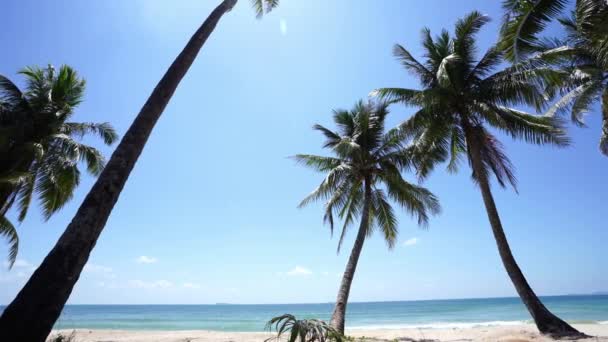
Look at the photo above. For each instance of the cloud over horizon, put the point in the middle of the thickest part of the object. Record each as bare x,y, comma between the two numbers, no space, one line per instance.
411,242
299,271
146,260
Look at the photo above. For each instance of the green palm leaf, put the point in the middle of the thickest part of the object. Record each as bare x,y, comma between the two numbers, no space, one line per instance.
46,161
262,7
8,231
364,154
523,21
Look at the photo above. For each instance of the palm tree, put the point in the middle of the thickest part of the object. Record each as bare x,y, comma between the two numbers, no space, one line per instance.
31,315
39,151
460,98
582,54
364,173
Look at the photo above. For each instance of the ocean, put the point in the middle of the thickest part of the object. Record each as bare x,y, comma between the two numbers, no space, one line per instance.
373,315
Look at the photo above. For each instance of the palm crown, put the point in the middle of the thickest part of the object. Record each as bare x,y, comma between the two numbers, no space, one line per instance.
39,147
461,95
583,55
367,160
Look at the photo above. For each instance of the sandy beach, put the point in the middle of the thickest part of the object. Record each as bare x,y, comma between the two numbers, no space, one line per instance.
519,333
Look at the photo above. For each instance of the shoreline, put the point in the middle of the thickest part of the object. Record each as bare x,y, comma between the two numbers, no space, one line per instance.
503,333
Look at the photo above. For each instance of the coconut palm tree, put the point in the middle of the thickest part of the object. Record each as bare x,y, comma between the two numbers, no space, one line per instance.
31,315
582,54
39,147
361,178
460,99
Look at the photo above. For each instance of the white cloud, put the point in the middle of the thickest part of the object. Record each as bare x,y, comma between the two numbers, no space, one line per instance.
411,242
20,263
158,284
191,286
99,271
22,269
146,260
92,268
299,271
283,26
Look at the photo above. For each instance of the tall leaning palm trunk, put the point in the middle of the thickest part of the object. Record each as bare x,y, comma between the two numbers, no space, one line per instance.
339,314
32,314
546,322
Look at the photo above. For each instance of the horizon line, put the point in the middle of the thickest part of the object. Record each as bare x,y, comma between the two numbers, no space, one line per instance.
596,293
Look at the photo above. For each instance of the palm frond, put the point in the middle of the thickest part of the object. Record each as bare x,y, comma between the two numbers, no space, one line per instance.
434,51
305,330
492,157
262,7
352,208
338,201
55,186
409,97
604,136
384,215
345,122
103,130
9,92
333,138
8,231
329,184
523,21
412,65
416,200
489,61
457,148
318,163
24,197
532,129
464,38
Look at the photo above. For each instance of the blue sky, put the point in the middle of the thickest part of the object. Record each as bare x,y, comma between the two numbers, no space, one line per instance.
209,213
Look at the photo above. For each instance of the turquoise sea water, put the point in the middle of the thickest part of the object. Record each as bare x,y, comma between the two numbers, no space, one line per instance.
432,313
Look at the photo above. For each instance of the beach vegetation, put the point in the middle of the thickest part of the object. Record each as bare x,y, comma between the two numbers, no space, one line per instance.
62,337
291,329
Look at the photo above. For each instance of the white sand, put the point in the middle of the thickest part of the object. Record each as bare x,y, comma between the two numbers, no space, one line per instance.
519,333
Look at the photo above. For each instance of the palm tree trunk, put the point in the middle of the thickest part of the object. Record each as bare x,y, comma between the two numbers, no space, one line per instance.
546,322
32,314
339,314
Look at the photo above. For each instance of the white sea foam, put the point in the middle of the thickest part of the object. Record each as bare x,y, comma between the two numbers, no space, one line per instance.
602,322
439,325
